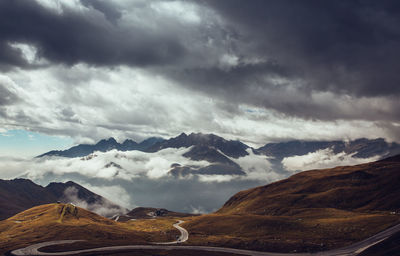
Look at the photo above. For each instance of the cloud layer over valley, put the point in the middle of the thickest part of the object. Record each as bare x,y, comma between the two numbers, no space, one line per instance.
135,178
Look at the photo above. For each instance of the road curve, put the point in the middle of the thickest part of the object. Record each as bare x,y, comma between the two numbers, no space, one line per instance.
182,238
351,250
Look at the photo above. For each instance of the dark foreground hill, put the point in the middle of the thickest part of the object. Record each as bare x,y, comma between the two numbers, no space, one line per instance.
20,194
389,247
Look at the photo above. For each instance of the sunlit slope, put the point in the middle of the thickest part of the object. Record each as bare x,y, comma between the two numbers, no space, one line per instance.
367,187
64,221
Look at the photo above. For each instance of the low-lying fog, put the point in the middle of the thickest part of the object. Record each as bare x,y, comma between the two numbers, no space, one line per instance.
135,178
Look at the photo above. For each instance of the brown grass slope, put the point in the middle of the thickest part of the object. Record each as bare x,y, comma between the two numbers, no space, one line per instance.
64,221
367,187
310,211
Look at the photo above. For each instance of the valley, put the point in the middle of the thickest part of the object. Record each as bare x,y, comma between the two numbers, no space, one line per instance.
312,211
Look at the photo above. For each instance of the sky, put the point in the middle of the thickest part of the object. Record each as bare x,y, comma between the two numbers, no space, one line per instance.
259,71
21,143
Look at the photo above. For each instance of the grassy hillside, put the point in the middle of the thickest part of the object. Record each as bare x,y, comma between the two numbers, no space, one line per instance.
367,187
64,221
310,211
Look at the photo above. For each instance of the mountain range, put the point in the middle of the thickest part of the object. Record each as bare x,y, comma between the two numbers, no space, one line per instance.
215,148
205,166
360,148
104,146
221,154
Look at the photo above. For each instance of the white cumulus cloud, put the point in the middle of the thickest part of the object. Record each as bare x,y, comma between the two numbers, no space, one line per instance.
324,158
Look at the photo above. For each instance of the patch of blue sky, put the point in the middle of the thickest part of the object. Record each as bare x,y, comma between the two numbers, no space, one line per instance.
22,143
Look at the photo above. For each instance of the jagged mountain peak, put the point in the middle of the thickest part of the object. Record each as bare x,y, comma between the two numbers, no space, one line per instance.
110,140
129,141
361,148
104,145
230,148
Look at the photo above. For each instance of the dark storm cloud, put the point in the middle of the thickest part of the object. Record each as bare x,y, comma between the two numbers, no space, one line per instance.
71,37
110,12
350,47
10,57
325,61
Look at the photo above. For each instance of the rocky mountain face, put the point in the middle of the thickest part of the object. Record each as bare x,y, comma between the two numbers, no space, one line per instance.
221,164
20,194
230,148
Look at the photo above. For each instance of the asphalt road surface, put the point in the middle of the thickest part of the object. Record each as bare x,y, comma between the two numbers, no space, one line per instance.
351,250
182,238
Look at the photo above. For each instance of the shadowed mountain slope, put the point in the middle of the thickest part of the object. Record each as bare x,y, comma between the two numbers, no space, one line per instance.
20,194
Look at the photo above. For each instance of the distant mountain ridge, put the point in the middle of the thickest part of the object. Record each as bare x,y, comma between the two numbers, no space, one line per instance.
361,148
105,145
216,149
20,194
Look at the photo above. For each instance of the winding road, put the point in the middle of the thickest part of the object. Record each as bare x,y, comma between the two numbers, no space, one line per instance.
182,238
351,250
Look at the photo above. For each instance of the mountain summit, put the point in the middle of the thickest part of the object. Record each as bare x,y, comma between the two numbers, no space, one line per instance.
228,147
